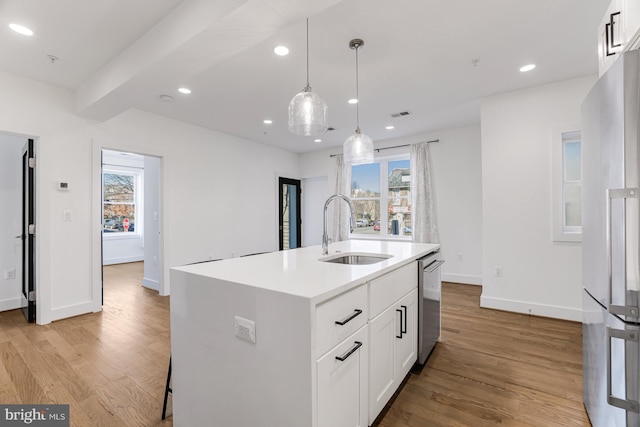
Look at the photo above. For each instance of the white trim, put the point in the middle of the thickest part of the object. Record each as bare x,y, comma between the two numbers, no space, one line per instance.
122,260
73,310
465,279
151,284
553,311
10,304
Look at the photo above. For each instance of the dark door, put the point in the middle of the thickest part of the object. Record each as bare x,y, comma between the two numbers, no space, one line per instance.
290,219
28,302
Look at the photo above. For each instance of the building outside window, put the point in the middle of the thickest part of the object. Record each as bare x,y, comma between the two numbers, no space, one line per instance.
385,213
120,190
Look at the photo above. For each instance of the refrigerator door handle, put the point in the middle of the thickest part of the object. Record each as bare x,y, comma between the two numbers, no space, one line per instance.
623,193
627,405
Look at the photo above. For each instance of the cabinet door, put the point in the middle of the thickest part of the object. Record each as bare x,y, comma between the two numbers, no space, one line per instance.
632,23
383,331
407,346
342,381
393,349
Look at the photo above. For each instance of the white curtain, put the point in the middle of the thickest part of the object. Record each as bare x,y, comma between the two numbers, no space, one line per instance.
341,218
425,227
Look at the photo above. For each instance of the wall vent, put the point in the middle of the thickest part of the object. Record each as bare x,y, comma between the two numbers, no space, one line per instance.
402,113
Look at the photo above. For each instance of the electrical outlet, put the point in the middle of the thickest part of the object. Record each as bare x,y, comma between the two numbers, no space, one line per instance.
245,329
459,256
10,274
498,272
67,215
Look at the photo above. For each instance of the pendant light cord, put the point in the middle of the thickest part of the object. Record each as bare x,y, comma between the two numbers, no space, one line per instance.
357,95
308,88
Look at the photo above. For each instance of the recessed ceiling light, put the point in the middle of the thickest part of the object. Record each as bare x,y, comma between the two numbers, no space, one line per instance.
267,122
184,90
21,29
281,50
528,67
353,101
166,98
317,140
389,127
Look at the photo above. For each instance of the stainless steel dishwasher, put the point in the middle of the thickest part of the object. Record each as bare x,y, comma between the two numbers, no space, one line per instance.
429,295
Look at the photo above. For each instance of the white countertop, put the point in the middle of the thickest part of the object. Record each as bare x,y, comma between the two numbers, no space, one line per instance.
300,272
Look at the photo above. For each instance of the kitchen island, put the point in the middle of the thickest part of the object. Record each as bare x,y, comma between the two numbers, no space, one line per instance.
282,339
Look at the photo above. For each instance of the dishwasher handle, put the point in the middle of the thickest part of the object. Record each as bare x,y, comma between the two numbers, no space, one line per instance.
433,266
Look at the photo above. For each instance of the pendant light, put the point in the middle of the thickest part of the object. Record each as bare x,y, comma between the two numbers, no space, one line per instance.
358,148
307,111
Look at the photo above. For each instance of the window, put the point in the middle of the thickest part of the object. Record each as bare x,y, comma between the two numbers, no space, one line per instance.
381,194
120,200
567,183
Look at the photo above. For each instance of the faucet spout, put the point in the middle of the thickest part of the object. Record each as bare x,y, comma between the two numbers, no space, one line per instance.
325,237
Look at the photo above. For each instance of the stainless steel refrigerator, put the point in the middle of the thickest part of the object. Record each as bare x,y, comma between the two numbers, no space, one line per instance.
610,245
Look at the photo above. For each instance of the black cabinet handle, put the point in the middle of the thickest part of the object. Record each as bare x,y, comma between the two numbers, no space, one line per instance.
404,328
401,328
355,314
353,349
609,35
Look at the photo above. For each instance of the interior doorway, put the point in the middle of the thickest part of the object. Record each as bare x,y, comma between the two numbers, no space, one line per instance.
130,214
290,218
17,212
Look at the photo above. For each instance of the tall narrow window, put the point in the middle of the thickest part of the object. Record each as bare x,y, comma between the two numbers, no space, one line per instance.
567,186
381,194
572,182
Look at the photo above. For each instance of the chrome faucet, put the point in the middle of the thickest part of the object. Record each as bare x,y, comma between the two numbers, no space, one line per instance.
325,238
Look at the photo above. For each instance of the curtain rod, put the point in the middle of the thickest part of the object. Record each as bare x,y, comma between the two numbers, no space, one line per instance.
395,146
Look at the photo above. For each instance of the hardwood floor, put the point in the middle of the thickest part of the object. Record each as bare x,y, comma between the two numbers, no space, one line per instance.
490,368
493,367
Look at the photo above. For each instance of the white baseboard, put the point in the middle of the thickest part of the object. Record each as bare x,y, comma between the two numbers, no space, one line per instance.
72,310
553,311
462,278
122,260
10,304
151,284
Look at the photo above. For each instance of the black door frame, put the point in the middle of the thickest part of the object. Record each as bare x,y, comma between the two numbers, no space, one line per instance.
28,303
297,183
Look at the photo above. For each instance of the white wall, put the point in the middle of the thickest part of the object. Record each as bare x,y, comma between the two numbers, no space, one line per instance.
538,274
456,162
10,219
152,205
203,172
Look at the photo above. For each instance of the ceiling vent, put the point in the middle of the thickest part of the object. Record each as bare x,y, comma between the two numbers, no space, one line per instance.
402,113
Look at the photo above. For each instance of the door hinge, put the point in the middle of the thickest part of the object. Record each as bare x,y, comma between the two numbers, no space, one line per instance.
32,229
32,162
32,296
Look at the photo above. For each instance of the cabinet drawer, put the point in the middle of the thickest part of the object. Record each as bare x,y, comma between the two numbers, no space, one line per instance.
389,288
340,317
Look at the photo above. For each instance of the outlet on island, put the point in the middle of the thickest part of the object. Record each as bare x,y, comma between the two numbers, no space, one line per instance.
245,329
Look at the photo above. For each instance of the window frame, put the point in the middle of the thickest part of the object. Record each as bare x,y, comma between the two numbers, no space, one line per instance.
384,199
561,136
138,174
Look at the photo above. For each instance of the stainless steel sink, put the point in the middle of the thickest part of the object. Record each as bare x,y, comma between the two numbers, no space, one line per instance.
356,259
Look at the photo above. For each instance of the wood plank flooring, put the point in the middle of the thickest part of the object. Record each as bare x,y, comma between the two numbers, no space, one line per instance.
490,368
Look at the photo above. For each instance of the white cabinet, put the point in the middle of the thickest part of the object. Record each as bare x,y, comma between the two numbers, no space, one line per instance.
618,32
342,385
393,329
393,350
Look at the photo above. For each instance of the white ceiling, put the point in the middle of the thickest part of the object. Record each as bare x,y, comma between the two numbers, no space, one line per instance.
418,57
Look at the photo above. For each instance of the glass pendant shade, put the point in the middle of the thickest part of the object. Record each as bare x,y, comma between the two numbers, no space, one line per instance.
307,114
358,149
